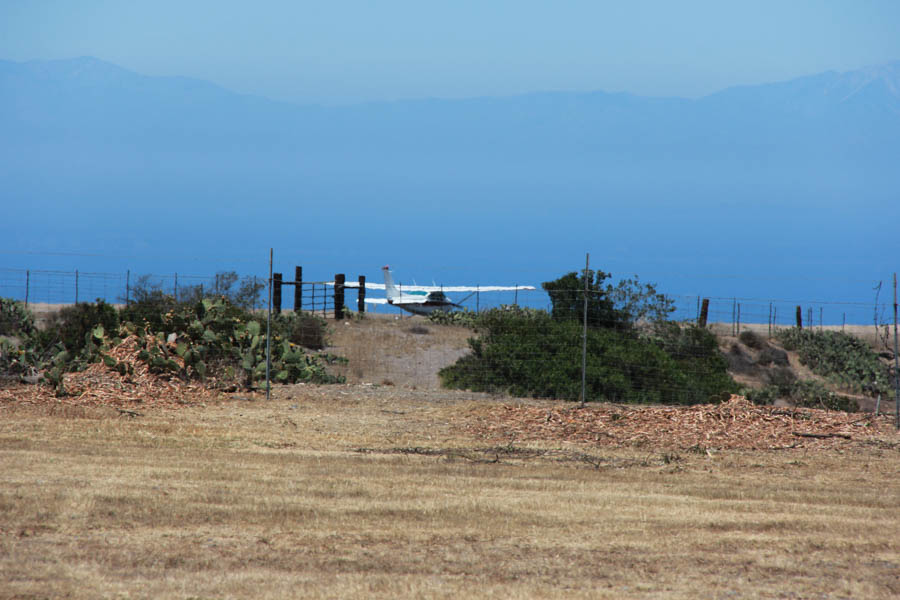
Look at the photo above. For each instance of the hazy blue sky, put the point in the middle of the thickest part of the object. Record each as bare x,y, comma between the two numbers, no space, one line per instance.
348,51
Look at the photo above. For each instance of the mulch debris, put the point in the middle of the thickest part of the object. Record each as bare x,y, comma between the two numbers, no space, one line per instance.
99,385
735,424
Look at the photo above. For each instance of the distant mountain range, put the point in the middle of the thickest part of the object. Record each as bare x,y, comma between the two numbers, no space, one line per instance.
753,179
88,101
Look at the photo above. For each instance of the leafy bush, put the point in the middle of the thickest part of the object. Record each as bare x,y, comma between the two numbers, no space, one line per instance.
807,394
846,360
73,326
461,318
640,302
568,297
149,303
770,355
302,329
782,379
752,340
217,337
212,337
243,293
15,319
696,352
529,353
73,339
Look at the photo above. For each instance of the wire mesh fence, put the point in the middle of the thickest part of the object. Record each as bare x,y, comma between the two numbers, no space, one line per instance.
69,287
544,354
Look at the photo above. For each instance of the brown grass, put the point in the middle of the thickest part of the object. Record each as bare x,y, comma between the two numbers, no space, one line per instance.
365,491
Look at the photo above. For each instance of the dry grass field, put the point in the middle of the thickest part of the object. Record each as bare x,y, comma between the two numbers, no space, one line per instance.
390,487
379,491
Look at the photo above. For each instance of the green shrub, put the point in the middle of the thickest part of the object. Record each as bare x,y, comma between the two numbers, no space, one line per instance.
783,380
73,325
528,353
752,340
15,319
640,302
770,355
303,329
806,394
568,297
764,396
461,318
148,306
846,360
217,337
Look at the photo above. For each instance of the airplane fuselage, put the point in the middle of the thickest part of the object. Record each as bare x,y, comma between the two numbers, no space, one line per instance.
435,301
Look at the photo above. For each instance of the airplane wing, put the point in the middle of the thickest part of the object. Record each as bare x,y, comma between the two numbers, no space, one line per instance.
446,288
405,300
468,288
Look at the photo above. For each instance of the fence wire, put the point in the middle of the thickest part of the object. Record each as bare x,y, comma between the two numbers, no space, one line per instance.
70,287
618,370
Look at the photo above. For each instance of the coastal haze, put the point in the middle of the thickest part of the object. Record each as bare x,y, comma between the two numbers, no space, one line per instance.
781,190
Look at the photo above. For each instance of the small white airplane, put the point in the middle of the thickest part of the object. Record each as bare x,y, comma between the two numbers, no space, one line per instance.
424,299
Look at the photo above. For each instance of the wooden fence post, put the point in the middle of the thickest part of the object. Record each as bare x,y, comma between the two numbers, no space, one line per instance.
361,298
339,296
704,312
799,317
298,289
276,293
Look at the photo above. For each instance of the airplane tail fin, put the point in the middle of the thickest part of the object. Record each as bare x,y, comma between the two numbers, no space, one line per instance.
390,290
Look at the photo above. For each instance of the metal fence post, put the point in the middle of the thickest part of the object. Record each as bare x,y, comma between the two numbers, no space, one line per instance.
269,328
896,363
733,315
27,286
76,286
587,264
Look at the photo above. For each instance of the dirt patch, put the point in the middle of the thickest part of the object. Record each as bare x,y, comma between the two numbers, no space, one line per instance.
400,351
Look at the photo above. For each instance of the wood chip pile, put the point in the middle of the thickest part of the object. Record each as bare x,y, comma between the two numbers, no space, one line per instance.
736,424
99,385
